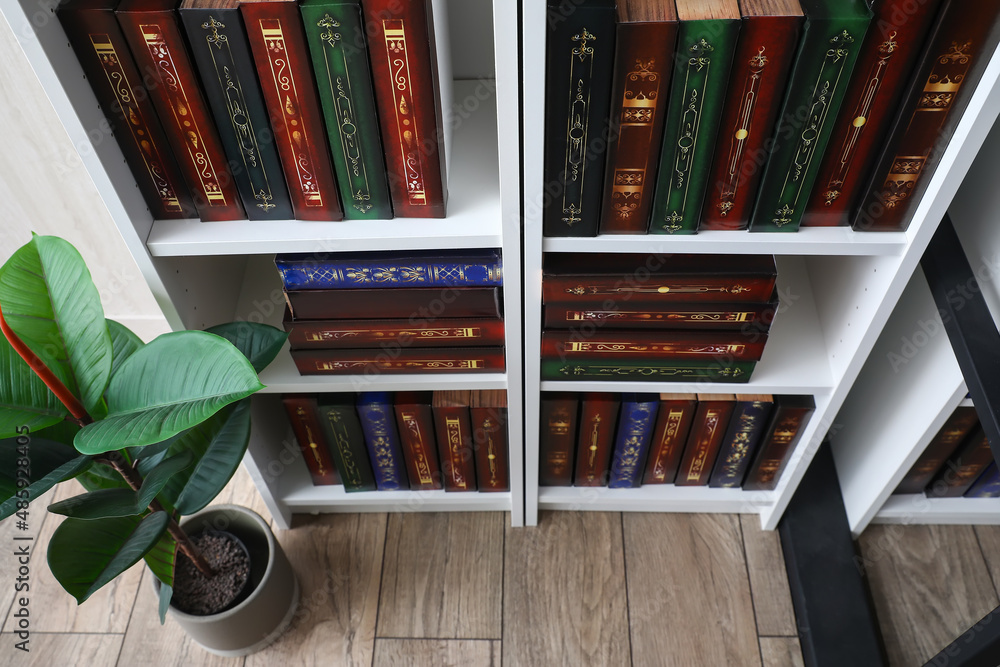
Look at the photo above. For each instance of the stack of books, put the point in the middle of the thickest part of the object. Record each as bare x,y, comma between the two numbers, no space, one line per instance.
629,440
661,318
456,440
394,312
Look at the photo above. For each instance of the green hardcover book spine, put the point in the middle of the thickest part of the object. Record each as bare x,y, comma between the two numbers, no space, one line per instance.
336,35
701,77
821,75
343,434
645,371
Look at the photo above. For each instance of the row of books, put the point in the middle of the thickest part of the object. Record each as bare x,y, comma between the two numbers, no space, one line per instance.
656,317
629,440
670,116
392,442
268,110
394,312
957,462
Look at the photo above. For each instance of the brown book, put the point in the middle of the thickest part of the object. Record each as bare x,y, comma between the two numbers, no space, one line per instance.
788,421
332,334
644,62
673,424
453,425
303,415
747,317
962,469
416,305
650,345
415,419
557,437
598,417
489,438
954,432
708,427
400,361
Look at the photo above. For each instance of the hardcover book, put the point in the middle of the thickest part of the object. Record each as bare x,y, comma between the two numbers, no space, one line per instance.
335,32
388,334
417,305
708,36
415,418
831,41
988,484
962,469
673,423
454,436
579,62
100,46
156,40
651,345
598,418
788,421
401,361
342,430
382,439
635,429
557,438
709,427
644,50
648,371
748,317
408,96
954,432
488,409
745,431
278,43
769,38
221,53
303,416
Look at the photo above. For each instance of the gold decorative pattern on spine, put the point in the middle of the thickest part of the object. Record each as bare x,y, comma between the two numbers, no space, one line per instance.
409,141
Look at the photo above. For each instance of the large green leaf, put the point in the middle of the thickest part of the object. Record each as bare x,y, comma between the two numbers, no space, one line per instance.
173,383
124,343
260,343
85,555
48,464
101,476
51,303
25,401
161,560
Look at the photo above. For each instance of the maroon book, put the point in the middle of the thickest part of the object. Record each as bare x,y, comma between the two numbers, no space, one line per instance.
415,419
416,305
749,317
962,469
644,62
278,42
315,452
708,428
954,432
557,438
788,421
673,423
769,39
489,437
407,93
568,345
156,40
453,425
598,417
331,334
886,61
400,361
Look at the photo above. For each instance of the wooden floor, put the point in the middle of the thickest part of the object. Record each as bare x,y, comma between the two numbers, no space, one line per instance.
580,589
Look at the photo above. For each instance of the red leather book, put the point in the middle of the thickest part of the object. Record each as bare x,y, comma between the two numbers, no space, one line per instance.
278,42
598,417
788,421
707,430
417,305
453,425
331,334
400,361
884,66
408,96
748,317
302,414
644,49
954,432
488,409
673,423
154,35
768,42
415,419
962,469
557,438
568,345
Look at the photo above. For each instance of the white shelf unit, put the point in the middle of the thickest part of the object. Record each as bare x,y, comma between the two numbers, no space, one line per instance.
912,383
838,289
203,274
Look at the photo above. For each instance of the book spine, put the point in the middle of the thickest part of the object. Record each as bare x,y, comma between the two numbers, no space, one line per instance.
403,361
707,431
673,423
404,73
359,273
416,431
887,59
988,484
454,437
705,58
489,437
643,66
657,289
418,305
303,416
959,425
786,427
382,440
277,41
385,334
336,36
645,371
635,428
816,90
745,431
721,317
962,470
347,446
159,49
569,345
555,444
597,432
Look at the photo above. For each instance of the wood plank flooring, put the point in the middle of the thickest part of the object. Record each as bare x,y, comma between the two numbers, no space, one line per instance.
415,590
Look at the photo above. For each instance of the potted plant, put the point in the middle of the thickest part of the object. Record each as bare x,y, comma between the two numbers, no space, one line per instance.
153,432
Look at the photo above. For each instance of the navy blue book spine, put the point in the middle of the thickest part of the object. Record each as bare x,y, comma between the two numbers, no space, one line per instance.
746,428
379,426
988,484
635,430
414,269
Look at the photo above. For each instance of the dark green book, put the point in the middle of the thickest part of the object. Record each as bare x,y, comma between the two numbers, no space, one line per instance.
342,431
704,58
336,36
648,370
832,37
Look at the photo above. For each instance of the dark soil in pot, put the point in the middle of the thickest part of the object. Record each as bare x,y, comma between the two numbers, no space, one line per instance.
196,594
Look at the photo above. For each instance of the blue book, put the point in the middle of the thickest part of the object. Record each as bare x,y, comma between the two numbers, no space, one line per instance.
413,268
382,440
635,430
988,484
750,418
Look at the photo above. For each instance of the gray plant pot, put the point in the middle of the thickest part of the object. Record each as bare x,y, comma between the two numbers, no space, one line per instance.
267,612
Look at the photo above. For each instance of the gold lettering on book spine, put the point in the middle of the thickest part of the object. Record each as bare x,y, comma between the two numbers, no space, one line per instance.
667,444
744,126
453,431
417,447
406,127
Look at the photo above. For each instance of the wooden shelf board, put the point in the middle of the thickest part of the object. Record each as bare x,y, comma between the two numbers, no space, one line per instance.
918,509
652,498
335,499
